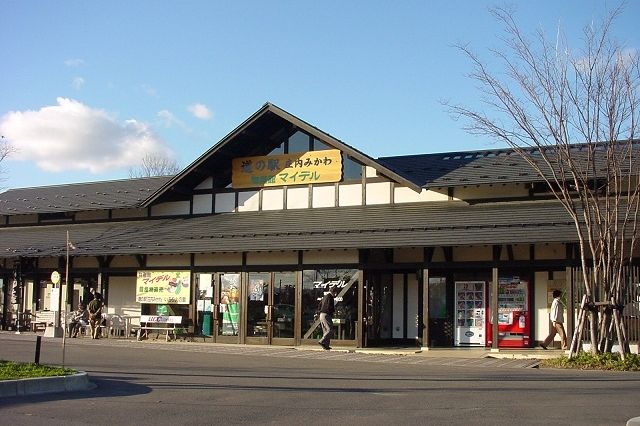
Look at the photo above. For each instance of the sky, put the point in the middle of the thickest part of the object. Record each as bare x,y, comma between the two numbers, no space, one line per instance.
87,88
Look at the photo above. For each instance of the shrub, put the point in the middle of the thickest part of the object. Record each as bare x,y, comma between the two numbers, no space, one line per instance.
15,370
587,361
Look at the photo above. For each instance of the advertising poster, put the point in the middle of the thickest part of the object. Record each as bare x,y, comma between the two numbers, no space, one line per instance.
163,287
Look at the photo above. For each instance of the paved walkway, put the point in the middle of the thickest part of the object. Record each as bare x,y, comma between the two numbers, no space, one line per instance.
462,357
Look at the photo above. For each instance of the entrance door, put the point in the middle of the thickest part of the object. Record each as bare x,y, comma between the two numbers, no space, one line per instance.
378,306
271,308
392,308
226,309
441,328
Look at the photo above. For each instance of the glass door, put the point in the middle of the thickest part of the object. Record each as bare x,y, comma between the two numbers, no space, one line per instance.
378,305
227,303
283,312
271,308
258,302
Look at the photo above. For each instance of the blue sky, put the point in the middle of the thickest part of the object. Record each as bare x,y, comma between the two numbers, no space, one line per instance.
87,87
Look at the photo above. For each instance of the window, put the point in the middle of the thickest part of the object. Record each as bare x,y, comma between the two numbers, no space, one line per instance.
351,170
298,142
314,285
318,145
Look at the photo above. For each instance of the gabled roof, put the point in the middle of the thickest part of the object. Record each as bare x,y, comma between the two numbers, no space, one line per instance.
494,166
378,226
113,194
257,135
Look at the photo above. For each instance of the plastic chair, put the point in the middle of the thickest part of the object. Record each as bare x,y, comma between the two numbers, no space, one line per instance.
117,325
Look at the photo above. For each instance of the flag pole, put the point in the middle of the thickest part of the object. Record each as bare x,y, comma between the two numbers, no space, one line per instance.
66,280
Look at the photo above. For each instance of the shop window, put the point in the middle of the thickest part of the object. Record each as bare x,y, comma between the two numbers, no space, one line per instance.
314,285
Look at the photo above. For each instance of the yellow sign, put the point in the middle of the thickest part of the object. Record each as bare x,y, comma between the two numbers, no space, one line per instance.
288,169
163,287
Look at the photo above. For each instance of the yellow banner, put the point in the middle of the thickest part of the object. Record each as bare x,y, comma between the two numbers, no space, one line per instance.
287,169
163,287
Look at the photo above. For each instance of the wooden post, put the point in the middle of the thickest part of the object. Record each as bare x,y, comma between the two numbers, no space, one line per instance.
494,308
426,342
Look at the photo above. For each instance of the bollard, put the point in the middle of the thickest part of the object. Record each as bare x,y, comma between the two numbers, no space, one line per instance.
38,341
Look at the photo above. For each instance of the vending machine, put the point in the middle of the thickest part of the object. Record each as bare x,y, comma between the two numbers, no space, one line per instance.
470,313
514,314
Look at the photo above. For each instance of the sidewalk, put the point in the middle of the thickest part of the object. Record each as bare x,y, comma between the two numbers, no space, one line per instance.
529,357
478,358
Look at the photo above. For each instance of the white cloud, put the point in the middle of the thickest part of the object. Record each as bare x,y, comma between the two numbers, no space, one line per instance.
74,136
200,111
168,119
78,83
74,62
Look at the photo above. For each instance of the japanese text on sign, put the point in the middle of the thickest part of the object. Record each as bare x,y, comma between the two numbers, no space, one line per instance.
163,287
288,169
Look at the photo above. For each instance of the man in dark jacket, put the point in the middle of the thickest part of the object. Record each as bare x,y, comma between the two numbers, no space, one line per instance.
95,315
327,308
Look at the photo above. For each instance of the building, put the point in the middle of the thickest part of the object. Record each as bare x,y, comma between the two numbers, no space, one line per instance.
444,249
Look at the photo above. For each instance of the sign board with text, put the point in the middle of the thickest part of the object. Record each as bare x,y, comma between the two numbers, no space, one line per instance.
287,169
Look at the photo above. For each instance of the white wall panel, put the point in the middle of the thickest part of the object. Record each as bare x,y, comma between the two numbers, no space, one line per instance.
172,260
202,203
403,194
330,256
248,201
122,297
218,259
272,258
350,195
324,196
273,199
170,209
298,197
205,184
378,193
225,202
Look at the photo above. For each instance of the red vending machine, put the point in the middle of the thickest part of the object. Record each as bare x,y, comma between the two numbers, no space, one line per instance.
514,313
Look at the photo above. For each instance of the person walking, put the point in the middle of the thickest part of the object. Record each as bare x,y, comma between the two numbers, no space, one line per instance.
95,315
556,315
327,308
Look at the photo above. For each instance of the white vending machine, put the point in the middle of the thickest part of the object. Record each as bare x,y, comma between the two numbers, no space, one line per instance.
470,313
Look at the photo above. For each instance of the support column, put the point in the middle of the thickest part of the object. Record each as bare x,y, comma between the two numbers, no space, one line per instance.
361,312
494,308
426,342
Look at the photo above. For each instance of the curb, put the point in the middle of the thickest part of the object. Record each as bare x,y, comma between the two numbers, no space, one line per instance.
42,385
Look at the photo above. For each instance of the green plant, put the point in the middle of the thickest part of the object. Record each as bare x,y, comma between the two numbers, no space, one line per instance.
588,361
14,370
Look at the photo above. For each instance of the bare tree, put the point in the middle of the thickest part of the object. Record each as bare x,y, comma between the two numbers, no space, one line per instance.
5,150
573,118
154,165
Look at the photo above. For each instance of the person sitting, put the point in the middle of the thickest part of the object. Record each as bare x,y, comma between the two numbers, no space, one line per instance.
79,319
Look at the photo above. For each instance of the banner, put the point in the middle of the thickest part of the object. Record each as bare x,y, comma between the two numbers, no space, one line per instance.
163,287
301,168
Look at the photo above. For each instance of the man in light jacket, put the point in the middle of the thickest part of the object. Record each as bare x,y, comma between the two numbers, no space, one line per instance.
556,315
